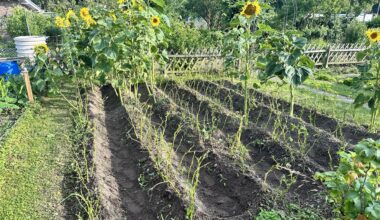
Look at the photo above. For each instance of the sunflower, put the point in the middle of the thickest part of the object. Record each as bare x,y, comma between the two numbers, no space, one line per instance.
62,22
89,21
155,21
70,14
41,49
113,16
373,35
84,13
137,5
251,8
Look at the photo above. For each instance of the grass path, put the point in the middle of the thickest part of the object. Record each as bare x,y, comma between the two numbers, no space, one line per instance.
33,158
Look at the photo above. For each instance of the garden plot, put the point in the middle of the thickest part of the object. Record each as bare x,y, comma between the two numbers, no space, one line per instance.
345,131
173,153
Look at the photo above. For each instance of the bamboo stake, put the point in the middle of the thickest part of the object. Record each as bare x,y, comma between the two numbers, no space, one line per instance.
29,90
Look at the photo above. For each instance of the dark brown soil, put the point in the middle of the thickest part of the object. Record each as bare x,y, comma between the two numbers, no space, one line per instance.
223,191
316,143
348,132
130,185
120,161
265,153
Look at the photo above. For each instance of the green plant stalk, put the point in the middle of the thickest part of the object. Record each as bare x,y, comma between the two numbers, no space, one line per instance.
375,111
247,75
291,100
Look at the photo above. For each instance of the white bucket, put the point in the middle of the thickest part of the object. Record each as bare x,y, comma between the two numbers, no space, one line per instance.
25,45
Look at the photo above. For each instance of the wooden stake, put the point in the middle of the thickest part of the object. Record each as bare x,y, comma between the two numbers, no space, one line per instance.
28,86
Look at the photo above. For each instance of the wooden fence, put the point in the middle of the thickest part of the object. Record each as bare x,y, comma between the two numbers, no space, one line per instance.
211,60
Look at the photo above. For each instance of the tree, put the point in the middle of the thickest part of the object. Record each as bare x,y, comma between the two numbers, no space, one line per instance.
212,11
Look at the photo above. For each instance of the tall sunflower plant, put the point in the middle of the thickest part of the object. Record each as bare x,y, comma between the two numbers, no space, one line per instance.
369,79
239,44
118,44
284,58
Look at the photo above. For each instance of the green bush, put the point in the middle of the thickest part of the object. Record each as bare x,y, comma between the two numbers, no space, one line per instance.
348,82
23,22
324,76
354,187
355,32
182,36
375,23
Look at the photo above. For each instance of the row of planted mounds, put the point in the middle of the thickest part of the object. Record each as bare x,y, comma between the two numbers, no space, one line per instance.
294,133
128,184
154,161
223,191
269,160
345,131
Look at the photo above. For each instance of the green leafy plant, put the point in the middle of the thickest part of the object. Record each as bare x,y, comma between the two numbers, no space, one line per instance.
116,43
23,22
269,215
354,187
239,45
369,79
285,58
6,101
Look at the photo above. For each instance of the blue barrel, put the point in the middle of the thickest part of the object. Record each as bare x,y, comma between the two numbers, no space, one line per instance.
9,68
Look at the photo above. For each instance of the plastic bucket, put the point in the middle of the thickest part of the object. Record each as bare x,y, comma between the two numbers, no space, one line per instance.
25,45
9,68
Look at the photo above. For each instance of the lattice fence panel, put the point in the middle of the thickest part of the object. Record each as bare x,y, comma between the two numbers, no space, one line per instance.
211,60
195,61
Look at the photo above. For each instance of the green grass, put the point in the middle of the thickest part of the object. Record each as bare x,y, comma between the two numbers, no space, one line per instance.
32,162
334,88
329,105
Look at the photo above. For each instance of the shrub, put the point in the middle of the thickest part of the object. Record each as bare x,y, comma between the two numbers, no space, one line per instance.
182,36
375,23
319,42
323,76
354,186
355,32
348,82
24,22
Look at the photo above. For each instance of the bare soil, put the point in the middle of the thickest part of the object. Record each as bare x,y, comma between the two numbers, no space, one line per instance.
314,142
120,161
129,135
347,132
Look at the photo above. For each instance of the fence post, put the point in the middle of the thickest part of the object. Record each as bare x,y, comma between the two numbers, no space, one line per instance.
328,53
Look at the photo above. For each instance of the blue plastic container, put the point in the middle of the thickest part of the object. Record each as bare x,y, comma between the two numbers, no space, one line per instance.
9,68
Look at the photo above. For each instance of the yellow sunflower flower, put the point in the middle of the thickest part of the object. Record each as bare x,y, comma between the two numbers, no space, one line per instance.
373,35
155,21
70,14
113,16
84,13
137,5
62,22
89,21
251,9
41,49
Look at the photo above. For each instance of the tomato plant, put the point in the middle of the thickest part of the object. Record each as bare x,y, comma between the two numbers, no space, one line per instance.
354,188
